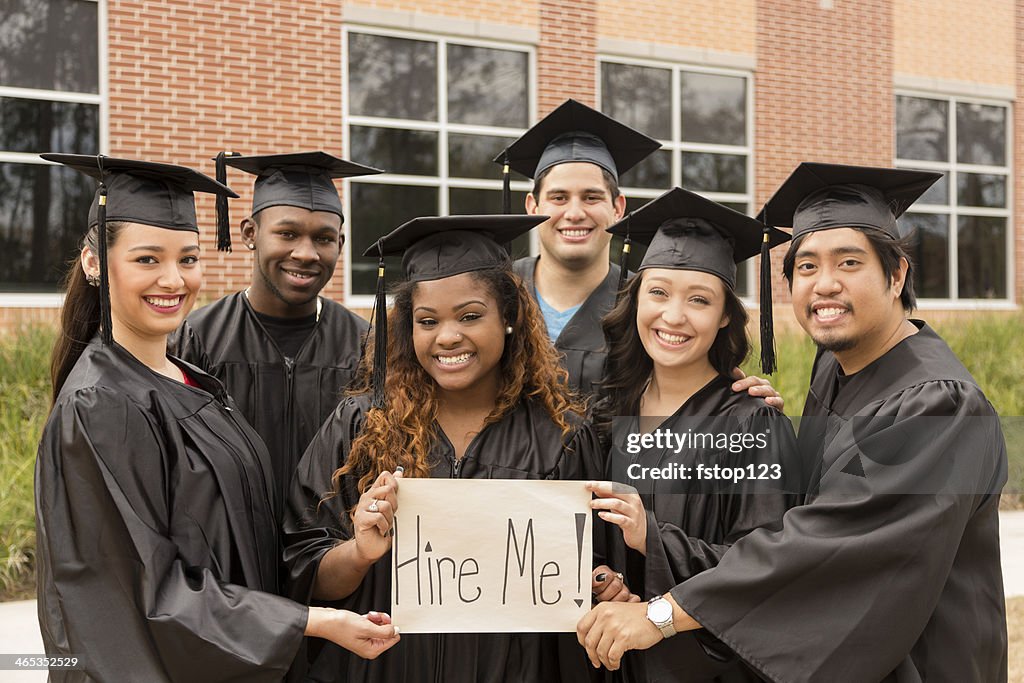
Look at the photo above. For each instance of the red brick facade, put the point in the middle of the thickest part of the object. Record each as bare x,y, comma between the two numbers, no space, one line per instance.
567,54
189,78
819,94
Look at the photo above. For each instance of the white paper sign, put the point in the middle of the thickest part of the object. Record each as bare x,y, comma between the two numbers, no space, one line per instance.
491,556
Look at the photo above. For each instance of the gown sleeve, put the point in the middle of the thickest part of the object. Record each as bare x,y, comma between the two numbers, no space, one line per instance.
674,555
185,344
850,582
113,588
316,520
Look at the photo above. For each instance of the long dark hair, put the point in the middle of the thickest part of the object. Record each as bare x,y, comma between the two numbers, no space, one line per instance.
80,316
628,365
402,433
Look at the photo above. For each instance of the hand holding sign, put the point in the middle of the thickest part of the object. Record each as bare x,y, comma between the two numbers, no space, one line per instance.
484,556
374,516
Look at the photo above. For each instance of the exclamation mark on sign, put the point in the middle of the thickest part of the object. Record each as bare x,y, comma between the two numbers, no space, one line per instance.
581,525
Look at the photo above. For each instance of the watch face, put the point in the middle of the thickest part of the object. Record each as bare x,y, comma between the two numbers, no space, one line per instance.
659,611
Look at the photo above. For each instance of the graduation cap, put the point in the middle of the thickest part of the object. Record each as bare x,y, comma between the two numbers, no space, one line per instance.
437,247
685,231
302,179
822,196
136,191
574,132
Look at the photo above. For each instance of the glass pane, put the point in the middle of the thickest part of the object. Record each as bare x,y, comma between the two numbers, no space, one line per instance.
922,128
981,189
378,209
396,150
655,172
638,96
392,77
43,216
469,156
487,87
636,249
981,257
714,172
929,253
462,200
742,269
980,134
42,126
714,108
50,45
937,193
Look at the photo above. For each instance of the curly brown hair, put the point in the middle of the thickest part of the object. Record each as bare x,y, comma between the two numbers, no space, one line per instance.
403,433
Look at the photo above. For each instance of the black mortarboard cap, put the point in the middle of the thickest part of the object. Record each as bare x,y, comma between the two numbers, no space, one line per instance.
301,179
442,246
575,132
136,191
144,191
820,196
685,231
437,247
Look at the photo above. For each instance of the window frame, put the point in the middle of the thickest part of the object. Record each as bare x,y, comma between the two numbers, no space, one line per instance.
102,99
442,181
677,146
953,210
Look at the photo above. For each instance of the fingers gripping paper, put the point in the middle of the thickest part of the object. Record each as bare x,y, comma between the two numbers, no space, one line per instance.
485,556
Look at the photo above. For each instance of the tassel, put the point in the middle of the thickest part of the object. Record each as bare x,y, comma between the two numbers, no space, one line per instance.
768,364
380,336
223,219
624,258
506,186
106,333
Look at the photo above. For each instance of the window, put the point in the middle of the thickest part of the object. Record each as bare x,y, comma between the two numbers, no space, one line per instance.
703,120
432,112
961,226
49,102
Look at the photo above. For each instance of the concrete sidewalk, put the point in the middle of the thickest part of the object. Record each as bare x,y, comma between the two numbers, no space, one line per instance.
19,628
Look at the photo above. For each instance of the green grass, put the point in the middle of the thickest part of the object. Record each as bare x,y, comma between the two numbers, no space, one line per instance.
991,346
24,402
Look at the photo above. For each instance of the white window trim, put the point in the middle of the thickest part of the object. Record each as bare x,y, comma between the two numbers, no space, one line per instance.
56,299
681,146
952,167
441,181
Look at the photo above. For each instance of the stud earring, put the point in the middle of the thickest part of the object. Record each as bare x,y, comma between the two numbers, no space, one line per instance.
251,246
92,280
508,330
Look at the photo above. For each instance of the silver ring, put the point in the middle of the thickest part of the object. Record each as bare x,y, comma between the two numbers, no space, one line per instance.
621,577
372,507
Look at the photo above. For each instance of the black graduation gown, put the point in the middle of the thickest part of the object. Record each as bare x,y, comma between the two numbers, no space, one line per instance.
866,582
157,545
581,342
525,444
688,533
285,402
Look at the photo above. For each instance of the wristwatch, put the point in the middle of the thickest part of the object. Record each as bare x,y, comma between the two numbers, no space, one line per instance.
659,611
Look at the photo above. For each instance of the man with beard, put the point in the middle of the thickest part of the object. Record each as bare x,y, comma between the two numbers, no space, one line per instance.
890,570
283,352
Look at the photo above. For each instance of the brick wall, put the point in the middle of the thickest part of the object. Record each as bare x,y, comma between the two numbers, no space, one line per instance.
819,94
720,25
955,40
189,78
519,13
567,54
